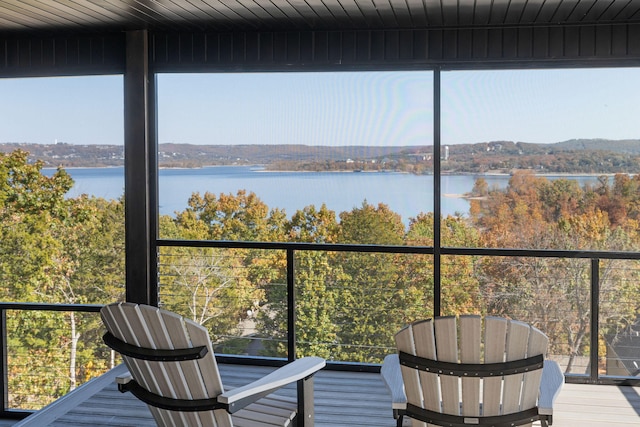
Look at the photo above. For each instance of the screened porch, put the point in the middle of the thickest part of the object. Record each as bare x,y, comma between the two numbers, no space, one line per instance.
142,41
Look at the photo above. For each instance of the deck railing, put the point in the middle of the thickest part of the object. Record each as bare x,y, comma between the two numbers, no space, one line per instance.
590,364
30,377
586,362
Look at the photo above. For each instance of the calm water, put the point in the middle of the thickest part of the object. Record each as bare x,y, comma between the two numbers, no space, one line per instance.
406,194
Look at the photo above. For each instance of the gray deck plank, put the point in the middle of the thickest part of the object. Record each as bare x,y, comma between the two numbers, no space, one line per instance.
597,405
342,399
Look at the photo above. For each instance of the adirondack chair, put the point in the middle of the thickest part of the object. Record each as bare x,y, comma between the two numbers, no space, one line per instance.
445,375
172,368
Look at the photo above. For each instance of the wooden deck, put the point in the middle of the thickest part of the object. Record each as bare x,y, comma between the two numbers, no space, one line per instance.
341,398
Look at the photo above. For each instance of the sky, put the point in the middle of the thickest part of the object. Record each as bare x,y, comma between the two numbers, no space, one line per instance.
77,110
347,108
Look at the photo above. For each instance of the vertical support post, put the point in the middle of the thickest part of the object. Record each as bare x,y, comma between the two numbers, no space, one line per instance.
595,316
437,208
152,186
304,412
139,111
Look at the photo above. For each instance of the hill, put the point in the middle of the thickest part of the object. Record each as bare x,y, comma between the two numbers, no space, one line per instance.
630,146
573,156
170,154
188,155
580,156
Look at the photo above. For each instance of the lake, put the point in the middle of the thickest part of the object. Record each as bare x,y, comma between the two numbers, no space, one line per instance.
406,194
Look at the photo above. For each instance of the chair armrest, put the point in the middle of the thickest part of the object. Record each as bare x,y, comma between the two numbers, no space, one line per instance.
392,377
124,378
550,386
298,370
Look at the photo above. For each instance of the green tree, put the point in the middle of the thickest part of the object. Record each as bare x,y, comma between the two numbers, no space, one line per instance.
459,284
243,217
90,270
368,287
221,288
59,250
315,295
32,209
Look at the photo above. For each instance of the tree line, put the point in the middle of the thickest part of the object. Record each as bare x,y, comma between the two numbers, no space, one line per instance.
349,305
570,157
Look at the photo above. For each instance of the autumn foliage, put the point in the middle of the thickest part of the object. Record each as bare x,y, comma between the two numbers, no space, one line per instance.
349,305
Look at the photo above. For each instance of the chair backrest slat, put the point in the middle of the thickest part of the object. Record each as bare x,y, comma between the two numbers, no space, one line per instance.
494,351
538,343
419,339
406,343
470,346
517,341
209,374
425,344
447,351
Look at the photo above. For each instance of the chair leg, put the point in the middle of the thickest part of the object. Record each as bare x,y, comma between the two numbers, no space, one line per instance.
306,414
399,416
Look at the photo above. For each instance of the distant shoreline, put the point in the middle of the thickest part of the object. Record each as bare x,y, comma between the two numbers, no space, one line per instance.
478,174
489,158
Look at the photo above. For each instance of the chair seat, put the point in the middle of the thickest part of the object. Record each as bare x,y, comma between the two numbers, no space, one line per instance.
273,410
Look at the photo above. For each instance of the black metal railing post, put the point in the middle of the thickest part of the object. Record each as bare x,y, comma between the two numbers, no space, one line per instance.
5,412
291,307
595,317
3,362
301,387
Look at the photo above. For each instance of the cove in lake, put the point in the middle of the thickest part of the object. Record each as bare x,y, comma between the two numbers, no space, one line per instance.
406,194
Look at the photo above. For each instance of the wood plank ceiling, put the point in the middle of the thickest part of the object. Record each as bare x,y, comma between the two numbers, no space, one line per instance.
29,16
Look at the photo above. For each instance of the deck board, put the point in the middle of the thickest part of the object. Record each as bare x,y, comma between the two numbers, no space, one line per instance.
342,399
597,405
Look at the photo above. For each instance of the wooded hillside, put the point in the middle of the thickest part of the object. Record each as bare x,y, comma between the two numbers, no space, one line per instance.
574,156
